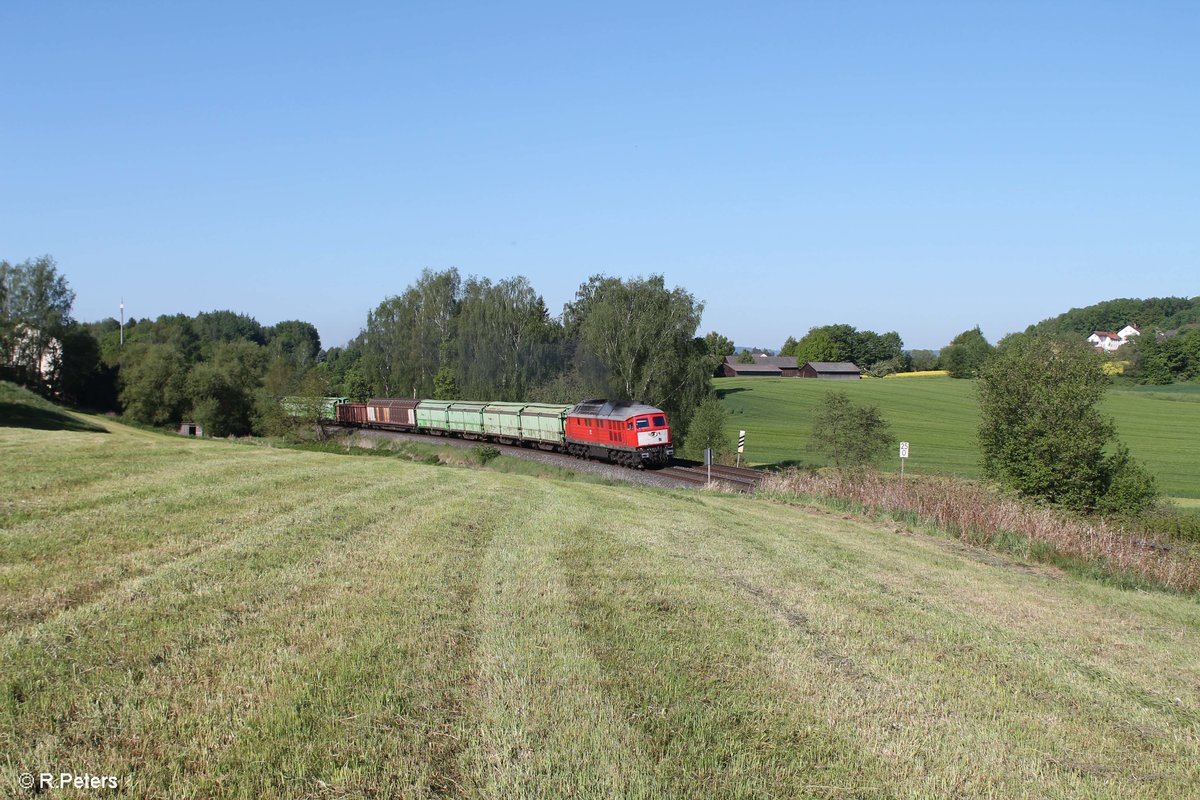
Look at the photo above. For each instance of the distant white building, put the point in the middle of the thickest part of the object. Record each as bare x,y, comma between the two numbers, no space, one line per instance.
1108,341
26,352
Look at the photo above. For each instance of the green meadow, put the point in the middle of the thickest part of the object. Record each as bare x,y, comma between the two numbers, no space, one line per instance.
939,417
204,619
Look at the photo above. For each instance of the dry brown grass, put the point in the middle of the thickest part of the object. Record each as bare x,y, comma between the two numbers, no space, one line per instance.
984,516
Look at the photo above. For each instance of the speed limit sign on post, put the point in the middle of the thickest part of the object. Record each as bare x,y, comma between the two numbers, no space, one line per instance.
904,449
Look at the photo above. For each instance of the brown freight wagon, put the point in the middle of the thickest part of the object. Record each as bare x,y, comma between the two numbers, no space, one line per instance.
351,413
387,412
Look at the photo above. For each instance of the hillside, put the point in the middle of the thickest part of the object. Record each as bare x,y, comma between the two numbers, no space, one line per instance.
939,417
21,408
207,619
1151,314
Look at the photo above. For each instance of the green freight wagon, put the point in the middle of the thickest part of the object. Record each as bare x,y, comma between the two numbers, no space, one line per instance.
465,417
303,406
533,422
432,415
544,423
503,420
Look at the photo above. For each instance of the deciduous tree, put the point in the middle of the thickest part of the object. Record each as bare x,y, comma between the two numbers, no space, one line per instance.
223,388
408,336
295,341
966,354
850,435
642,339
153,383
37,312
843,342
1041,430
820,344
923,360
707,430
505,341
719,347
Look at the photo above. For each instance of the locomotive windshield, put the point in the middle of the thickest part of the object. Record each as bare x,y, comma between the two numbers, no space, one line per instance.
643,423
660,421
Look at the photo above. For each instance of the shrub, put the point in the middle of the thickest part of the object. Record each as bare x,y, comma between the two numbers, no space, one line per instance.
1164,519
484,453
1042,433
850,435
707,429
1130,487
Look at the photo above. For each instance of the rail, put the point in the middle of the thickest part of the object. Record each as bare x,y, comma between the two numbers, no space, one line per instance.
745,480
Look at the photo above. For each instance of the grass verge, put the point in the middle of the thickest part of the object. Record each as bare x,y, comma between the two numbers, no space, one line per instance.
982,516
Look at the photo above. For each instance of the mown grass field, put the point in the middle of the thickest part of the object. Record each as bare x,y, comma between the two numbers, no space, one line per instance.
203,619
939,417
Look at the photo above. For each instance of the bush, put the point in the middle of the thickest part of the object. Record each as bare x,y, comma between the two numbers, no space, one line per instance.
966,354
1130,488
484,453
850,435
1164,519
1041,431
707,430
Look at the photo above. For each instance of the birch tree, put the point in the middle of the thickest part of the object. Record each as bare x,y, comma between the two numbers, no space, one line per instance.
642,337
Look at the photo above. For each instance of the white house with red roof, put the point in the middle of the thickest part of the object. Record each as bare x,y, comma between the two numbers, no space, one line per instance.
1109,341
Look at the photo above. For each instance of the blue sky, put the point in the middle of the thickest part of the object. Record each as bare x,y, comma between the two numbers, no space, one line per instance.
919,167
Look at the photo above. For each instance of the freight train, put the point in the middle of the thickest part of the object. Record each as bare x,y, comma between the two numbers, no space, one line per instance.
630,434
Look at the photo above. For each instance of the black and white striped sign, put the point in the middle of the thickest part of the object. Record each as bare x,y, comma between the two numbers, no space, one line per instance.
741,441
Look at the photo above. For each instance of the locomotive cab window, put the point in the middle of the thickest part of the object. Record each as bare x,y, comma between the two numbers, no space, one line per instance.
643,423
660,421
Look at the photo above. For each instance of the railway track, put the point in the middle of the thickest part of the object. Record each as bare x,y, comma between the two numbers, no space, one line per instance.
745,480
681,472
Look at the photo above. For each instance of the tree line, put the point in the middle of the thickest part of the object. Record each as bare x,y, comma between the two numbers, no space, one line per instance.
878,353
882,354
1168,349
445,337
442,337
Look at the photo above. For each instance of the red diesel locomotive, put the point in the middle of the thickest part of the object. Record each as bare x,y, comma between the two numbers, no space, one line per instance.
632,434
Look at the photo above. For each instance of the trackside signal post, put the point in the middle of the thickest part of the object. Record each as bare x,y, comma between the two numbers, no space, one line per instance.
741,446
903,458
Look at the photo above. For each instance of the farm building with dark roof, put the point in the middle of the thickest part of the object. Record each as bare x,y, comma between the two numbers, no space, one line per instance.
763,366
836,370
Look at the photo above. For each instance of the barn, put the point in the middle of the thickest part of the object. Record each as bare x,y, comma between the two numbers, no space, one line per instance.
764,366
834,370
191,429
